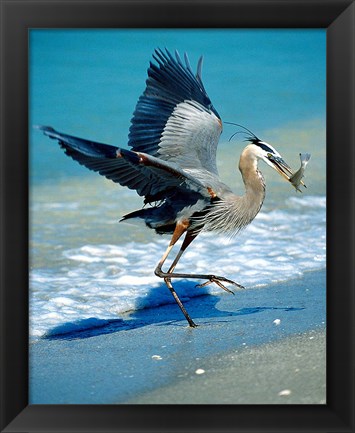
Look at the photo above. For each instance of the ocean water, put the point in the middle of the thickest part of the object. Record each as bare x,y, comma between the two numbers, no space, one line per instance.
85,266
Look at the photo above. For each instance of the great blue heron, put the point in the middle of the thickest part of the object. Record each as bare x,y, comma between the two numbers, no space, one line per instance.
172,163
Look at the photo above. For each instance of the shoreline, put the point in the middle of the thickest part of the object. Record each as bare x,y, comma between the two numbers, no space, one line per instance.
152,356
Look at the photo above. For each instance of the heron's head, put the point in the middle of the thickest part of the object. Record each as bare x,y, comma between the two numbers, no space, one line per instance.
271,156
258,149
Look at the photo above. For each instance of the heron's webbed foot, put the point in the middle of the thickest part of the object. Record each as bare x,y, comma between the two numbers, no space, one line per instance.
217,280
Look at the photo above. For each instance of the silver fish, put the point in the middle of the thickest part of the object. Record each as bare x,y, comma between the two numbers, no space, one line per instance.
296,179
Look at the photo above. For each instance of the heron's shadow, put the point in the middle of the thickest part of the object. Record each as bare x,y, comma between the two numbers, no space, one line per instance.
199,307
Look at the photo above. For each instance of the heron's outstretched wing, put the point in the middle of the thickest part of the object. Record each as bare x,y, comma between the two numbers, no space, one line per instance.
149,176
174,118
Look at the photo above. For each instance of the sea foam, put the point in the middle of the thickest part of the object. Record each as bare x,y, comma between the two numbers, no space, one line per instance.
98,282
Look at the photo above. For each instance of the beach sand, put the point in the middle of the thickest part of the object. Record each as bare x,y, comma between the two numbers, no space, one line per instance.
262,346
290,371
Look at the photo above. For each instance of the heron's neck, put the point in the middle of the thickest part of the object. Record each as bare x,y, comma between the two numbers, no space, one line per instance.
253,181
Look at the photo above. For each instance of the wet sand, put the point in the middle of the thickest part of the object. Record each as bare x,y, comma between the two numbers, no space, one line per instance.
262,346
290,371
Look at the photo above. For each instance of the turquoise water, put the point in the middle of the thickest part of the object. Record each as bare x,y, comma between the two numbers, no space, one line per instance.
86,83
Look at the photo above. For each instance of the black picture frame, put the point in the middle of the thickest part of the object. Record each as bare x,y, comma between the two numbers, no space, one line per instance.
17,17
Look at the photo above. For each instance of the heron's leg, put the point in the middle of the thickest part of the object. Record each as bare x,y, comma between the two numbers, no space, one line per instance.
180,304
211,278
187,241
178,232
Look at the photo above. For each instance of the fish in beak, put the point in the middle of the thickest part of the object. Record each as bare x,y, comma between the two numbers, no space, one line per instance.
296,179
285,170
277,163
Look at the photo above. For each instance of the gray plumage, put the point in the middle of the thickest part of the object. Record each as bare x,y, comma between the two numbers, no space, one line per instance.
171,162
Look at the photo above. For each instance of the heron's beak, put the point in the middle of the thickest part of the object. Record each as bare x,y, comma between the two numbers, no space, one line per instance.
280,166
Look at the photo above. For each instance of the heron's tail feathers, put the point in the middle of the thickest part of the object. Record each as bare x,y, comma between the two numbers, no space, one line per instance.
153,218
138,214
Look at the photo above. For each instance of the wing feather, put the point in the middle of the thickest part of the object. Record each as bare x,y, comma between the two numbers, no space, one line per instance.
174,135
149,176
174,118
